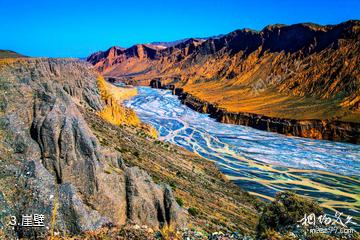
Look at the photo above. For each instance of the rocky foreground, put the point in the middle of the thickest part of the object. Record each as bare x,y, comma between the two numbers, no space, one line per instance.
60,159
93,179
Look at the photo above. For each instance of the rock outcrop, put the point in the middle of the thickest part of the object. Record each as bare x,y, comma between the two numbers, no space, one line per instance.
54,165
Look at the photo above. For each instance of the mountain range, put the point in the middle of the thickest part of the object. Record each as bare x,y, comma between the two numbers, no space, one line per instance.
301,71
301,80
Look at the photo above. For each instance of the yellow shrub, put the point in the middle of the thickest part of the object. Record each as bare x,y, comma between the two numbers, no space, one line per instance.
169,232
114,112
150,130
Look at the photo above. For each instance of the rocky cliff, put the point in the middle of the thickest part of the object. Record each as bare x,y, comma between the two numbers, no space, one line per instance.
301,72
52,163
62,160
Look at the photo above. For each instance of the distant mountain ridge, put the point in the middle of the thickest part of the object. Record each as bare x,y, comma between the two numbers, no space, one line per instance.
174,43
303,70
10,54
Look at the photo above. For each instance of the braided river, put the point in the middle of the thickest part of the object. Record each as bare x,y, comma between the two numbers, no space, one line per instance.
263,163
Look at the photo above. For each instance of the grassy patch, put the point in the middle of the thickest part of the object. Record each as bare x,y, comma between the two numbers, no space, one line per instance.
193,211
180,201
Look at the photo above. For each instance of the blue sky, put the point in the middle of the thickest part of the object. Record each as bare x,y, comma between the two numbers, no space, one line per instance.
77,28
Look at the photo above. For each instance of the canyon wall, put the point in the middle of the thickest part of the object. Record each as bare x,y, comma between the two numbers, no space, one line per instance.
311,128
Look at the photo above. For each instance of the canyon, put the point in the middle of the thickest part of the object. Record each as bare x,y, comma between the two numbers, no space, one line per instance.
100,161
310,128
66,154
300,80
72,152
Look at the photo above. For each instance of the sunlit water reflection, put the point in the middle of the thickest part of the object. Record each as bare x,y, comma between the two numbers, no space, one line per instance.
262,163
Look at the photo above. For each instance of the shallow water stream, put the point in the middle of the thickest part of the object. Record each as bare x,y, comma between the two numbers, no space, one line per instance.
262,163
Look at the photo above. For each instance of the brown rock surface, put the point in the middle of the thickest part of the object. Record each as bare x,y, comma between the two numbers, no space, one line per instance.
310,128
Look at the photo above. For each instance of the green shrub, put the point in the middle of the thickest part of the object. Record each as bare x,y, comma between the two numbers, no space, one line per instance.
180,201
173,185
193,211
285,211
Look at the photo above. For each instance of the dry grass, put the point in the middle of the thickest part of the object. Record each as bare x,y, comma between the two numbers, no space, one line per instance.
117,114
9,54
120,93
169,232
272,103
114,112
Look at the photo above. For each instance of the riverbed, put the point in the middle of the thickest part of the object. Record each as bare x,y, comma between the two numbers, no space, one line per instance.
260,162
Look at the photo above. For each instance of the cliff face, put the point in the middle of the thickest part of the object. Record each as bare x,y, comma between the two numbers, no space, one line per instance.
311,128
61,159
301,72
104,61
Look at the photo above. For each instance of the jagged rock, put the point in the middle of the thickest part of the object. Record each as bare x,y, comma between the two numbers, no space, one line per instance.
155,83
58,165
149,203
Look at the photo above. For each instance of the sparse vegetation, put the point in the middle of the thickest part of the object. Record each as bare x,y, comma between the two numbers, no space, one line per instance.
165,166
177,168
136,154
117,114
113,111
173,185
193,211
284,213
270,234
180,201
9,54
170,233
